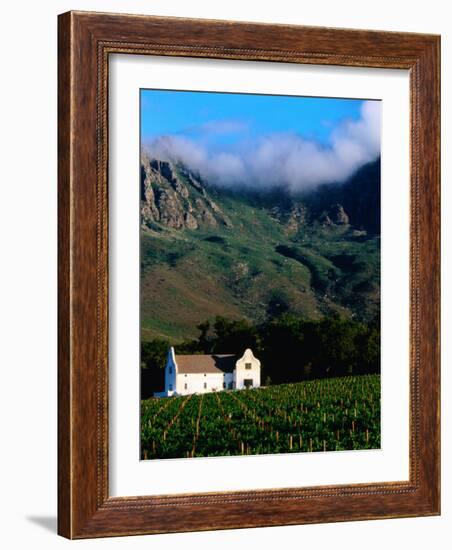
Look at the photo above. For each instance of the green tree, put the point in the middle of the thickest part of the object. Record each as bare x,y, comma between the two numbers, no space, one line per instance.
234,336
153,354
153,361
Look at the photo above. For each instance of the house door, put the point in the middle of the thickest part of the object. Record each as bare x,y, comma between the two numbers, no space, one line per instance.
248,382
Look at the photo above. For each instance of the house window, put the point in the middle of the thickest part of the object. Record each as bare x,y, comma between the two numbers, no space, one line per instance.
247,366
170,387
185,385
248,382
224,385
205,385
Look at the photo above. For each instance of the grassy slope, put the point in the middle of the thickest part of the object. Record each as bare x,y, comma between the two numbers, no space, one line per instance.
190,276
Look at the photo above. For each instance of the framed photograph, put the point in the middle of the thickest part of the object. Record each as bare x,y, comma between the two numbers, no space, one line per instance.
248,275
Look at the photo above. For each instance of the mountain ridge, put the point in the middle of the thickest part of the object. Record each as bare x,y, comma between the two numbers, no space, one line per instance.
210,251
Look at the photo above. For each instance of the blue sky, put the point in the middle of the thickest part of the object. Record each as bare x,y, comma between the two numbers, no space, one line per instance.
261,140
186,113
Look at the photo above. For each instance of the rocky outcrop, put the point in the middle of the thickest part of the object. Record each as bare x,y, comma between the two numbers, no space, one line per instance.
359,196
202,210
335,215
293,216
297,218
174,198
170,209
338,215
190,221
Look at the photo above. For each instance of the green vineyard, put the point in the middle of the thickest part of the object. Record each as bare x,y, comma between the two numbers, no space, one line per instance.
332,414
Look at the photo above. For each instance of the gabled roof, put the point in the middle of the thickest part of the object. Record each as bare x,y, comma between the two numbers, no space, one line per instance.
193,364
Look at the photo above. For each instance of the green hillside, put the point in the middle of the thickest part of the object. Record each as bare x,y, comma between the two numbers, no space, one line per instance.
206,252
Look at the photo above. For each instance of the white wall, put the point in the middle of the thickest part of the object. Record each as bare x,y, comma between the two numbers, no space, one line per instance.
242,373
170,372
28,274
196,381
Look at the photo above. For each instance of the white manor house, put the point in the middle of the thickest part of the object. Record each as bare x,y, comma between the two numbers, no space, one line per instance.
186,374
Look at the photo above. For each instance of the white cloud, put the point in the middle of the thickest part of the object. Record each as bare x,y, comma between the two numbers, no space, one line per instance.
280,158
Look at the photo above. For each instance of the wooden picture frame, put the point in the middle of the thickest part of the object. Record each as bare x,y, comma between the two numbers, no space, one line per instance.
86,40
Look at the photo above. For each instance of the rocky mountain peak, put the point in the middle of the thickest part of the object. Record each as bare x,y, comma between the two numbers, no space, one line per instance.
174,198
